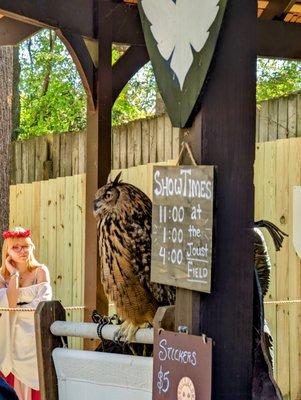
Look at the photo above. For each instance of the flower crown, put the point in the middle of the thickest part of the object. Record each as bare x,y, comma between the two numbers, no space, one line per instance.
16,234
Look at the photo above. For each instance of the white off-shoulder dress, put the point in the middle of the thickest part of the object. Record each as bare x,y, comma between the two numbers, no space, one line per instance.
17,336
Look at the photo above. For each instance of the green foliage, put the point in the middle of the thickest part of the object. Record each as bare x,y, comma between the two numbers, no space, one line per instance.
137,99
52,96
51,93
277,78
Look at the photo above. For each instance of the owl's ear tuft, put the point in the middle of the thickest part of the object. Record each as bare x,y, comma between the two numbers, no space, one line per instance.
117,179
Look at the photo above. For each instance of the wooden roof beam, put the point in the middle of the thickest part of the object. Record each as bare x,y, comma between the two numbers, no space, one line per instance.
276,8
75,16
277,39
13,32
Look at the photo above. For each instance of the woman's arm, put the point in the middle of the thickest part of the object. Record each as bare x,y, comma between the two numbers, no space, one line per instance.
13,285
13,290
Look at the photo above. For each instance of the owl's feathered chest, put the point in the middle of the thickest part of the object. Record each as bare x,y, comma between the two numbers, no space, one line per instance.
125,240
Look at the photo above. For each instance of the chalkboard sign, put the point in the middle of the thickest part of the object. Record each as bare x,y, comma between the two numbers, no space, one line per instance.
182,367
182,221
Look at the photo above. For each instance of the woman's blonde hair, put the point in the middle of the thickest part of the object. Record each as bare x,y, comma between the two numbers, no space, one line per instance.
13,241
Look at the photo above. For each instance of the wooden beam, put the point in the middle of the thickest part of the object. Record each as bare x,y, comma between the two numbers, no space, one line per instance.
13,32
75,16
277,39
223,134
130,63
91,246
84,64
126,24
276,9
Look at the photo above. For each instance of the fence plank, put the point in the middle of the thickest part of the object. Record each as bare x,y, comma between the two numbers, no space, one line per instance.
31,144
78,233
273,119
282,212
269,213
51,231
12,206
75,154
257,124
259,181
145,141
168,138
160,139
123,146
292,116
67,159
137,128
298,130
264,121
294,169
43,251
25,161
82,156
130,145
40,157
36,216
18,161
56,151
115,148
282,118
153,140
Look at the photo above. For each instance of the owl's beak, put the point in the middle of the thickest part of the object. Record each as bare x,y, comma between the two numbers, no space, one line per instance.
96,207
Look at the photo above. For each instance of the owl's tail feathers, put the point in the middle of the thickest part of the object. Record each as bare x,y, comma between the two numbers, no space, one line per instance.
276,234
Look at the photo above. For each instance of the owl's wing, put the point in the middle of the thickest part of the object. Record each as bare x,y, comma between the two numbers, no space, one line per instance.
161,15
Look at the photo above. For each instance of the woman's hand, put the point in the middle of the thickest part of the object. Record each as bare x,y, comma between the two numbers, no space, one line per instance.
9,266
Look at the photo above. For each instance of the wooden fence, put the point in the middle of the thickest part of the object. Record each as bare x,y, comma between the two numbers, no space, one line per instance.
140,142
54,210
48,157
277,170
279,118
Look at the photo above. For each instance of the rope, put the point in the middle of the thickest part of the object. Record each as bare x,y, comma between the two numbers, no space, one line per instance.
70,308
283,301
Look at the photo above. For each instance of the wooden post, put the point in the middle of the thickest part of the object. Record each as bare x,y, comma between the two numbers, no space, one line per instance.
46,313
91,276
104,105
223,134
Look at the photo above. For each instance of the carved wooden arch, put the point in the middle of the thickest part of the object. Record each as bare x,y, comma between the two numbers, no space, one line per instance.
77,48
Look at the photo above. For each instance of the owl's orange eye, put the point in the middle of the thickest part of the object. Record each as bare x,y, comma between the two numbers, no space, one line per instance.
108,195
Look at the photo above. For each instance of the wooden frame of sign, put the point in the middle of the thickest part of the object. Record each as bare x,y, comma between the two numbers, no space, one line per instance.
182,225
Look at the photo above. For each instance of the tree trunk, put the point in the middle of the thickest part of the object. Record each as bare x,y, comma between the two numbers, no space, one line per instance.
6,96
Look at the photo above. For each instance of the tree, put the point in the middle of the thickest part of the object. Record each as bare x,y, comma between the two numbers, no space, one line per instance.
7,58
52,95
276,78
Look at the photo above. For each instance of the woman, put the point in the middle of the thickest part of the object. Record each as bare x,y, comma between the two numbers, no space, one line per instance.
24,282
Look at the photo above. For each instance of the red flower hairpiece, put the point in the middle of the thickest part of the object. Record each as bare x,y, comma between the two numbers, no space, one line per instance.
16,234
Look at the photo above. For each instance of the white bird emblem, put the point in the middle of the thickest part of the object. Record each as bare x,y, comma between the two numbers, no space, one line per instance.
179,28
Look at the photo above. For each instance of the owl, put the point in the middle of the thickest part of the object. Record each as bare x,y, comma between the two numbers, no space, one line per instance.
123,214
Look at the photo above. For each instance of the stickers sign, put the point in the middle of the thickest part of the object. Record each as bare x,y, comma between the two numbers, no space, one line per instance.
182,367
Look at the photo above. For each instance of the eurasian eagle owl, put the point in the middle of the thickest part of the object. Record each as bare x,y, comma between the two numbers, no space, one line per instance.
124,214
